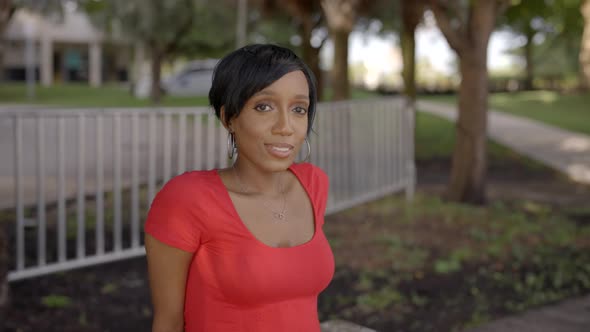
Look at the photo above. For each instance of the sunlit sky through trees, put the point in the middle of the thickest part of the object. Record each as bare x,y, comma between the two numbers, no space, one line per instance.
374,50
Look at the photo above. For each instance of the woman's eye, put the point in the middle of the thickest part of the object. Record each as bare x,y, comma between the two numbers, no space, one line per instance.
300,110
263,107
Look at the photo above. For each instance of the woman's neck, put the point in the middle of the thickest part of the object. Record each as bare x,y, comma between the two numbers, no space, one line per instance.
254,180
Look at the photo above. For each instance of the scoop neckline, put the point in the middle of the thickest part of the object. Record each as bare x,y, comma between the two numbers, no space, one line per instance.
235,213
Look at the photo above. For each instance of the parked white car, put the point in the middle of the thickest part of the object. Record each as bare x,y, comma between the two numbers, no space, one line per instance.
193,79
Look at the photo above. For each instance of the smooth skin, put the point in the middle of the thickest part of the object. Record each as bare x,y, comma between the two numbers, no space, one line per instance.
167,269
275,116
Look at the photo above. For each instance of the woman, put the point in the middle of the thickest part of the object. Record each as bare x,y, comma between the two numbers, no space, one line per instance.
242,248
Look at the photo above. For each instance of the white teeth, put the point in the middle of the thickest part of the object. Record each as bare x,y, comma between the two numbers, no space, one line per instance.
280,149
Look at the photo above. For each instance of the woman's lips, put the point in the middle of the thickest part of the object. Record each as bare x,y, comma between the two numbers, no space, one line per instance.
279,150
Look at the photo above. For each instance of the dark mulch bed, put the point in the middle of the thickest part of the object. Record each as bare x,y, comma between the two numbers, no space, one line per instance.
115,296
446,302
109,297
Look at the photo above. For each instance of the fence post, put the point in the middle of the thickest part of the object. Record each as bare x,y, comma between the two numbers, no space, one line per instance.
4,295
410,167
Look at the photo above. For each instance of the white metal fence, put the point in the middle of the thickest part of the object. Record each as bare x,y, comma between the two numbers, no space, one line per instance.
76,183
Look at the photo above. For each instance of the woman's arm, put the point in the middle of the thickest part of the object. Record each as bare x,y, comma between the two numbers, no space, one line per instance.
167,269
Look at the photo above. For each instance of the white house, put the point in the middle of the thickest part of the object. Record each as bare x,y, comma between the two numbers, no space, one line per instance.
68,48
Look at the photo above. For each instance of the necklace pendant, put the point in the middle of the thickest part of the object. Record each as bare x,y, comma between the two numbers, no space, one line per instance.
279,215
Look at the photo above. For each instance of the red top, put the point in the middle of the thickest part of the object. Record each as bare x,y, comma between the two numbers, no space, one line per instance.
235,282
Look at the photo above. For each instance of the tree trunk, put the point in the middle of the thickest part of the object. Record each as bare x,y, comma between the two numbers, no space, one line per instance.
468,172
2,48
317,71
156,94
311,55
408,42
528,57
341,16
585,48
470,41
340,83
412,12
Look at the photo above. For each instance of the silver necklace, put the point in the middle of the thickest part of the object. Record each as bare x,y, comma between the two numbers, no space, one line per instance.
277,215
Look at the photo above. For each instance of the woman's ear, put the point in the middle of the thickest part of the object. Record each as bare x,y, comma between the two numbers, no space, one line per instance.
224,121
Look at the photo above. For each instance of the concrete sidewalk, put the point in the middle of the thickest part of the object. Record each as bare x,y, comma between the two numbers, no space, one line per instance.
560,149
567,316
564,151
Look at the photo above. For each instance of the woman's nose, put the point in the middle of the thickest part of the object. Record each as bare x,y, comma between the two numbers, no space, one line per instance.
283,125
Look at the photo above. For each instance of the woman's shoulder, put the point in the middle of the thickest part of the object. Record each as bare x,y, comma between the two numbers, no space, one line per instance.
178,214
311,172
190,182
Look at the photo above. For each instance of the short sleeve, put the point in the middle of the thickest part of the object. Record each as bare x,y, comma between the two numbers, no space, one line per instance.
174,217
323,185
320,185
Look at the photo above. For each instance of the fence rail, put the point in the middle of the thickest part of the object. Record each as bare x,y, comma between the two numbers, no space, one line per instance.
83,179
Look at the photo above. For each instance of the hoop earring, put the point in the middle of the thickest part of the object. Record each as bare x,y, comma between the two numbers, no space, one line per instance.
231,145
308,151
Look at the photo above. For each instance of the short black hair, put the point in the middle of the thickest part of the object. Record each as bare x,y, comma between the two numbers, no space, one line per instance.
247,70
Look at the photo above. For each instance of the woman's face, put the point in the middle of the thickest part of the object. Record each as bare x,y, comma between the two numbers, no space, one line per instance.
272,126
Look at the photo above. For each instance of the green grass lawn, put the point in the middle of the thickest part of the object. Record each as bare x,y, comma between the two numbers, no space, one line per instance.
435,139
571,112
354,94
